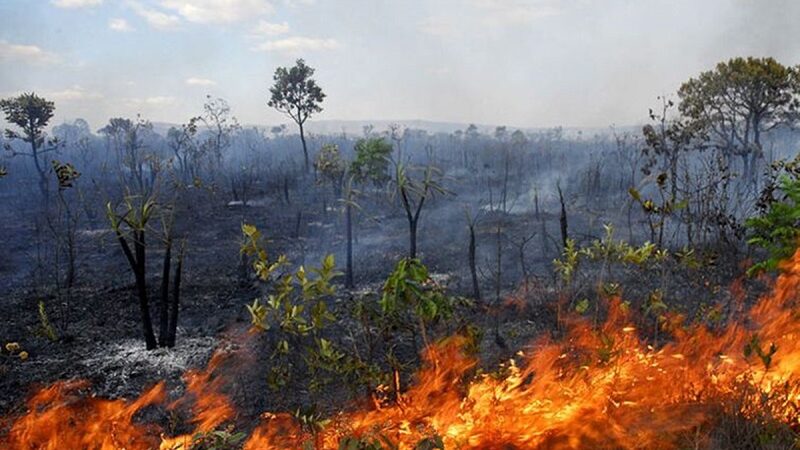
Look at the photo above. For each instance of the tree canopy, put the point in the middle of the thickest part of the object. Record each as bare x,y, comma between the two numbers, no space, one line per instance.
738,100
29,112
371,163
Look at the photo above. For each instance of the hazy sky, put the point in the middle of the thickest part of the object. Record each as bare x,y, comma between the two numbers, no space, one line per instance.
513,62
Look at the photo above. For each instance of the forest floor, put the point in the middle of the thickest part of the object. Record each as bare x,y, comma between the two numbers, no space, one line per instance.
100,335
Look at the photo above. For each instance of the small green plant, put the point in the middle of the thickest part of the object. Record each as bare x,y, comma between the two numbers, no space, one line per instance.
657,213
297,309
688,258
607,350
371,163
253,246
297,313
225,439
655,308
46,329
606,251
753,347
567,265
777,228
310,419
410,288
330,165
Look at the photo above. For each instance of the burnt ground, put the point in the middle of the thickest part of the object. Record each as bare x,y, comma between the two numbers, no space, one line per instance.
99,327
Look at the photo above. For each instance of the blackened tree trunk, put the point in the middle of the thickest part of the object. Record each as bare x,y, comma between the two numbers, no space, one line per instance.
563,218
141,287
305,147
41,171
413,220
163,306
175,304
412,236
476,292
297,222
349,283
137,262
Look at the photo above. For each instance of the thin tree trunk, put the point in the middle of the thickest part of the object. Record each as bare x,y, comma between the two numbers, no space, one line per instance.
175,304
563,218
412,236
41,171
305,148
505,181
349,226
163,305
297,222
476,292
498,285
141,286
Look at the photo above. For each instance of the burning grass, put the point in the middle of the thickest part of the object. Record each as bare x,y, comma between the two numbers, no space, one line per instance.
603,387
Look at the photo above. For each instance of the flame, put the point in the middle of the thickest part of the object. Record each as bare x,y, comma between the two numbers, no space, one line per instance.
594,388
59,418
211,407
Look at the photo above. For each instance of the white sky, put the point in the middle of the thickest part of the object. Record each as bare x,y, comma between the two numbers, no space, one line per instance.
514,62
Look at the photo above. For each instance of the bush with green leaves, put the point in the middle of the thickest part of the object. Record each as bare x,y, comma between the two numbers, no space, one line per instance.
606,250
296,311
777,228
608,253
371,164
411,296
330,165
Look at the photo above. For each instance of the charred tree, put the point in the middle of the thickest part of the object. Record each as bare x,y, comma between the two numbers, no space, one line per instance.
175,303
563,218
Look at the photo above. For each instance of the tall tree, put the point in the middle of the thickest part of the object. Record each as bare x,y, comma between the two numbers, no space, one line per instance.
738,101
31,114
297,95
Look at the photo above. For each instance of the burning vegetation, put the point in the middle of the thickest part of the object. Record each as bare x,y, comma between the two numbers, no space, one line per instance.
595,387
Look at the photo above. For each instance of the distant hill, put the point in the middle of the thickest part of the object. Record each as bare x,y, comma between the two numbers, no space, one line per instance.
356,127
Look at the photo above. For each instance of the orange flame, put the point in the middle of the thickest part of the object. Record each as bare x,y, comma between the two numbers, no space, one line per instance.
59,419
211,407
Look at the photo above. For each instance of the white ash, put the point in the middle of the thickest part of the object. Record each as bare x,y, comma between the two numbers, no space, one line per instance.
130,358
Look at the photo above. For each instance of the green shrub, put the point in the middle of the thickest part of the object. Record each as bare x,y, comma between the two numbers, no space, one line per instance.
776,228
